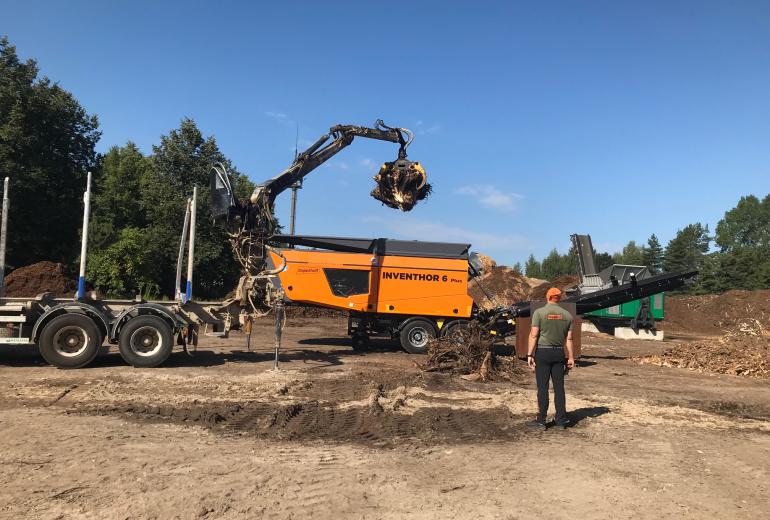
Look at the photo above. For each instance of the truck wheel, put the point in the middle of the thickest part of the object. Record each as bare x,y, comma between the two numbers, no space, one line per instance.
415,336
70,341
453,327
145,341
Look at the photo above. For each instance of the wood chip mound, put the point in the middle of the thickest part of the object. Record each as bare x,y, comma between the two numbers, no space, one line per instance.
716,314
742,351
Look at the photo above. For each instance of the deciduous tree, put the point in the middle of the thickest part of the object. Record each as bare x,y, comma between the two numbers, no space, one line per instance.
46,147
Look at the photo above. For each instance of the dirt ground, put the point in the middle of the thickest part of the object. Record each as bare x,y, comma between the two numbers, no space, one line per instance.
339,434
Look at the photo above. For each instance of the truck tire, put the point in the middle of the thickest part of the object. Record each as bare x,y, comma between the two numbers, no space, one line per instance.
145,341
453,327
70,341
416,334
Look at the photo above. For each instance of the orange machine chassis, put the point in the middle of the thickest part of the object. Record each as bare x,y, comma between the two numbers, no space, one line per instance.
406,289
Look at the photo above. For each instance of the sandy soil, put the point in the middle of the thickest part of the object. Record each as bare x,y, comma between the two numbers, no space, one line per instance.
338,434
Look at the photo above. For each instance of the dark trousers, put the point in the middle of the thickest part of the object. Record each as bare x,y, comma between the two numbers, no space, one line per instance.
549,365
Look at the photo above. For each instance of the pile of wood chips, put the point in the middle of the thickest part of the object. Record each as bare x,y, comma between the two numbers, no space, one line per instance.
743,350
469,351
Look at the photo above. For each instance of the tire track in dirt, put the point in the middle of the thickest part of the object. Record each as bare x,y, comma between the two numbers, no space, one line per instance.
322,489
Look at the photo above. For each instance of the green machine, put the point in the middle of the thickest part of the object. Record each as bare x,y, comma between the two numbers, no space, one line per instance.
639,314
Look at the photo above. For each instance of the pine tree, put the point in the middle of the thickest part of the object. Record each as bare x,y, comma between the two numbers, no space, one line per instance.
687,249
652,255
532,268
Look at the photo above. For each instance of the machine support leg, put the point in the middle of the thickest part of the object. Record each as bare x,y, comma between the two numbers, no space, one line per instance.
247,329
279,313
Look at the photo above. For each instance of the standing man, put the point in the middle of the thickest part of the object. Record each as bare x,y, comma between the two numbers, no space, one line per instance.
551,331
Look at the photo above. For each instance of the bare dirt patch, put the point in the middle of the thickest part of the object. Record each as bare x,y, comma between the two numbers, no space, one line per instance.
343,434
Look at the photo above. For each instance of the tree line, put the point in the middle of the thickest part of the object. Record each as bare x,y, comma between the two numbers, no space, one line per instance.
740,258
47,144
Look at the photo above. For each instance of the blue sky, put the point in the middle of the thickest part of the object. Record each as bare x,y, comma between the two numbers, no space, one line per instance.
534,120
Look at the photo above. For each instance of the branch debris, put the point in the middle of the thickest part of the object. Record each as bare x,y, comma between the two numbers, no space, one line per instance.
469,350
401,184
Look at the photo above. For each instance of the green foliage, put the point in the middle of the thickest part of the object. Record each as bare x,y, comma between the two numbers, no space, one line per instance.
743,262
183,160
532,268
602,261
652,255
46,146
687,249
632,254
517,268
117,200
552,266
126,267
747,225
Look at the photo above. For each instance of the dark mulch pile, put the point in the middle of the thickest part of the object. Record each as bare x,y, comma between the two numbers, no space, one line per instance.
38,278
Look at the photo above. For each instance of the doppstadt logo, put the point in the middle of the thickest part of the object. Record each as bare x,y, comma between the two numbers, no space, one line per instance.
417,277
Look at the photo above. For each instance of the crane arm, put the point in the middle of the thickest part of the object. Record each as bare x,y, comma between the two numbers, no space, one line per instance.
400,184
326,147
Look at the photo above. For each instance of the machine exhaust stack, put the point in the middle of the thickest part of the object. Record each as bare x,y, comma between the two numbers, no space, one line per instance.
84,243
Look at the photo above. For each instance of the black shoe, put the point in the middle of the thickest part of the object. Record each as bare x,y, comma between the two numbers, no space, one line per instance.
537,425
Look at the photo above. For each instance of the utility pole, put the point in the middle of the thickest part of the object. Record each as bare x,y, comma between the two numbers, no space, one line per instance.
296,186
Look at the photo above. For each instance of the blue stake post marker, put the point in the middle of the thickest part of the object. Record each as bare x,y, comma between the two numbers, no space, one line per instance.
84,244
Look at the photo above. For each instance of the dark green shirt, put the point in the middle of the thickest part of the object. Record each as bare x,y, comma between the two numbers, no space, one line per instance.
554,323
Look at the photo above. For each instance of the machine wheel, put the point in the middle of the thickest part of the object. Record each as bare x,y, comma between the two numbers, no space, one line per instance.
70,341
360,342
415,336
453,327
145,341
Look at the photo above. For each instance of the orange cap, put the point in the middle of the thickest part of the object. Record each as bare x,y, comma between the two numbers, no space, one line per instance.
553,291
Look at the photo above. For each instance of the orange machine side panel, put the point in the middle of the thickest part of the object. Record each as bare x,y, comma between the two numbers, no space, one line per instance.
305,278
396,284
423,286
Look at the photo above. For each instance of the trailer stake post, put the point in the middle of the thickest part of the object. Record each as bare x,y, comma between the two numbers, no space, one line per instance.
84,241
4,235
191,250
178,294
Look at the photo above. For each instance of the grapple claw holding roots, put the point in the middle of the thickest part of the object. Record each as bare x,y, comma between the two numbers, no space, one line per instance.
401,184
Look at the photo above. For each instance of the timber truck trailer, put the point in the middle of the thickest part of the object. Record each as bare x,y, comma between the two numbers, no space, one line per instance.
70,332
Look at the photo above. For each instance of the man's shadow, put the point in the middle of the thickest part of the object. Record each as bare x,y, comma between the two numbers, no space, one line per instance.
575,416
